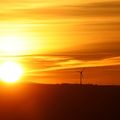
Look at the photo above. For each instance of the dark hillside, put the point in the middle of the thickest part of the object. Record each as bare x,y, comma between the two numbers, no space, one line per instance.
59,102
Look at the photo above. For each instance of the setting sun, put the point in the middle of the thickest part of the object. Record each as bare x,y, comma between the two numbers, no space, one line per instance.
10,72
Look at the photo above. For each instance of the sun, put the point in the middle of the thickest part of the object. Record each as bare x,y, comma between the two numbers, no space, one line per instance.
10,72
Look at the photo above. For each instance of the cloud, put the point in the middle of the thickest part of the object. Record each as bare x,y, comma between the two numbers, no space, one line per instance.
102,49
98,9
101,9
72,64
36,65
62,68
91,9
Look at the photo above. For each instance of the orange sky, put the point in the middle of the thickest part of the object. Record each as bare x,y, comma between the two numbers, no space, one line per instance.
61,37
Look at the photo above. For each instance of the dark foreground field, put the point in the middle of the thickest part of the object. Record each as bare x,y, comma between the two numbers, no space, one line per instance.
59,102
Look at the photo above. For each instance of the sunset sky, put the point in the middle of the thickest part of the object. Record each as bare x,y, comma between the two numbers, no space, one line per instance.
54,39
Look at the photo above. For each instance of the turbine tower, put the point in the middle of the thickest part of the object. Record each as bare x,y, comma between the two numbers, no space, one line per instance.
81,76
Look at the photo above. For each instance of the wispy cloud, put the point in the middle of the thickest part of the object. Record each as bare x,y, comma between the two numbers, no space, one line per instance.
98,9
42,65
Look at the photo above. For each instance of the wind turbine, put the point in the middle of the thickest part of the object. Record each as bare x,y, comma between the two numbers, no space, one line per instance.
81,76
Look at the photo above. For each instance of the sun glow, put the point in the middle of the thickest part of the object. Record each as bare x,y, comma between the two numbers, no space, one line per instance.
10,72
12,44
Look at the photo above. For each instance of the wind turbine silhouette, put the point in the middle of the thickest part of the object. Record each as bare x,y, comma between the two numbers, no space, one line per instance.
81,76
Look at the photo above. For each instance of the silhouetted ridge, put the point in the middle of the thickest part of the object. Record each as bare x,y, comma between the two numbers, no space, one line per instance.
59,102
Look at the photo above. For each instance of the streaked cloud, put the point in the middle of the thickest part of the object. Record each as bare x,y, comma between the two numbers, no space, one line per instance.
64,11
60,69
51,63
